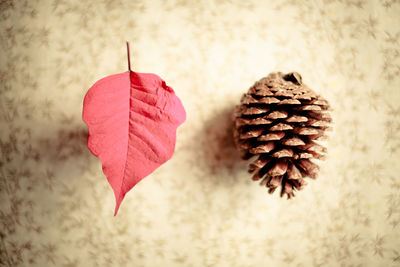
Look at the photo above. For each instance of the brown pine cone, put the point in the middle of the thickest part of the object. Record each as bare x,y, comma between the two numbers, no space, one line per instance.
279,120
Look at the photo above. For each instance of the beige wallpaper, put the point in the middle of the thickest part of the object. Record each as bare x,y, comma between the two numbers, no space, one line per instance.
201,208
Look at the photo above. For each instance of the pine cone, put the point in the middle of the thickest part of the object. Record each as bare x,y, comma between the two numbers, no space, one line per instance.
279,120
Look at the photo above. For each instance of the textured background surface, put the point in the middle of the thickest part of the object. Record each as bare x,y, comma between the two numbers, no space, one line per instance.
201,208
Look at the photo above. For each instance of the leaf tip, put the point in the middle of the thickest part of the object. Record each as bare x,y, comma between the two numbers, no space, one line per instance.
116,210
118,200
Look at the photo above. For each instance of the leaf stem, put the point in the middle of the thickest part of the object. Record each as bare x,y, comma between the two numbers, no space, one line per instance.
129,57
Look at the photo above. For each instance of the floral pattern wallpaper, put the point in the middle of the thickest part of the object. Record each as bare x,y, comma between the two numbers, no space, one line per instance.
200,208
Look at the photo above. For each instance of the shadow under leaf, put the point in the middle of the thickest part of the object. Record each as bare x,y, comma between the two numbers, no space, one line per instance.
64,144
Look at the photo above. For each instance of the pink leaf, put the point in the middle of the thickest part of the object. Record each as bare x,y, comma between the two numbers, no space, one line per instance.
132,120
